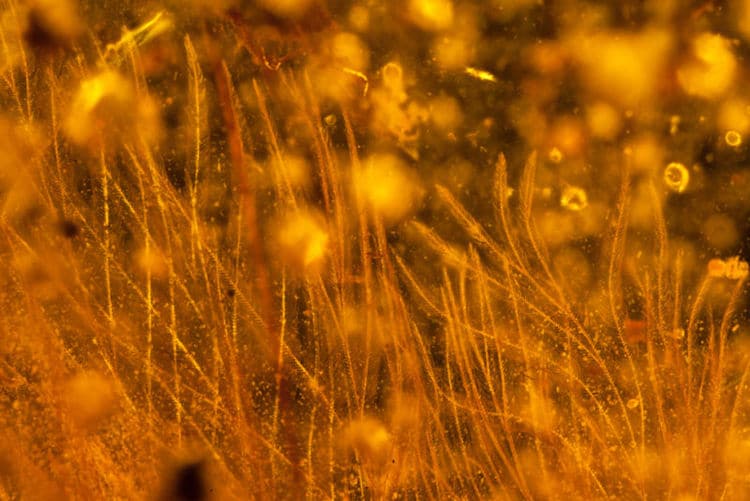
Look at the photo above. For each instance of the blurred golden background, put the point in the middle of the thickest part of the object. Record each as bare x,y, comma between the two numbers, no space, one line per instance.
374,249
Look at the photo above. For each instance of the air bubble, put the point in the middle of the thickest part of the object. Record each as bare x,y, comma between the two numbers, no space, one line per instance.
555,155
676,177
574,198
733,138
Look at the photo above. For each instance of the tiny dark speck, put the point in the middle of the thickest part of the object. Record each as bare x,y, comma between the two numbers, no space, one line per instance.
68,228
231,292
189,484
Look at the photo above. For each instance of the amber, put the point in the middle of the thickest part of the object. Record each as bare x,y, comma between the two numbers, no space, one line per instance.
374,249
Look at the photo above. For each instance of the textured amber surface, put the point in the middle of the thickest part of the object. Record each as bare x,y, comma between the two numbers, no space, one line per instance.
374,249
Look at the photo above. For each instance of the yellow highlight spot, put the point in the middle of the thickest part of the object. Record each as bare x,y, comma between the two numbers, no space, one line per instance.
303,241
349,51
624,68
359,17
603,121
712,70
431,15
716,268
734,114
633,403
674,124
445,113
106,106
152,261
99,100
733,138
387,187
453,52
677,333
90,399
555,155
647,151
369,437
676,177
480,74
295,168
105,85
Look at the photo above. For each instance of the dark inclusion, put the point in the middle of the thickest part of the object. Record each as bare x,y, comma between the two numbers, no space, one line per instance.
68,228
188,484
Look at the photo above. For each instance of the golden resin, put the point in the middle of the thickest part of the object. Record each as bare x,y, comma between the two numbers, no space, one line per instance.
374,250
